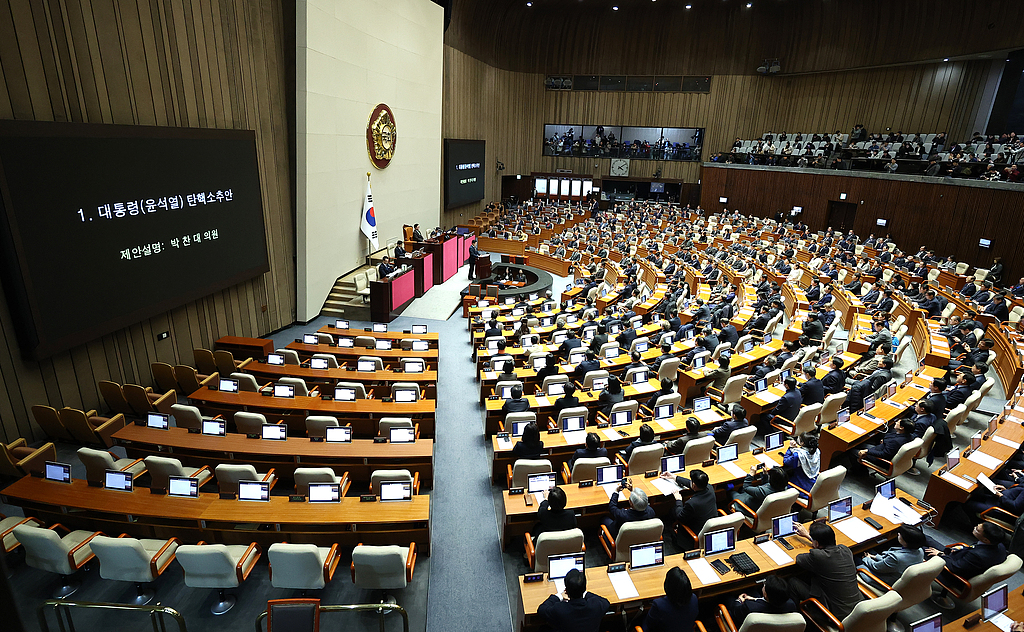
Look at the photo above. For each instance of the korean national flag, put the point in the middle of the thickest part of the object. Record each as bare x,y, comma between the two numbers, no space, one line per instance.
369,222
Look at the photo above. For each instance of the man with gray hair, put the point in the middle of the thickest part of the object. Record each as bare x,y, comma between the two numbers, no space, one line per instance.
638,509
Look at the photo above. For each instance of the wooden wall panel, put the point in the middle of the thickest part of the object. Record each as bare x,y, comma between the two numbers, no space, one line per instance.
946,216
184,63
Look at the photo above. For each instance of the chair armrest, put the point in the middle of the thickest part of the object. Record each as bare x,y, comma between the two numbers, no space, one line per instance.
91,412
566,473
691,534
999,517
618,457
331,563
799,489
872,466
268,476
213,378
724,619
644,408
346,483
607,542
715,394
952,582
71,553
416,483
530,551
700,627
867,578
746,511
508,481
416,429
106,431
156,572
57,525
35,462
244,363
410,562
17,443
812,607
254,549
601,415
7,532
164,403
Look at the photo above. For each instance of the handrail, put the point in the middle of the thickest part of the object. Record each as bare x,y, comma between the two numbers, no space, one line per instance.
379,607
62,610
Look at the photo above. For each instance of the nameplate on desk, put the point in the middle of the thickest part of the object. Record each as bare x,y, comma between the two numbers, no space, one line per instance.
602,425
493,397
267,393
757,451
532,578
367,498
515,491
326,398
761,538
95,483
581,484
316,439
252,435
651,474
296,498
691,555
708,463
193,430
157,490
553,430
617,568
140,422
227,495
380,439
211,387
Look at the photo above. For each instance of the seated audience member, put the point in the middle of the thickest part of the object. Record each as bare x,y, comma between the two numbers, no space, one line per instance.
788,405
529,445
610,396
646,437
592,451
667,388
518,403
590,363
811,391
835,381
693,432
552,514
774,599
638,509
969,561
829,572
578,609
802,461
698,508
891,443
677,610
758,484
738,421
720,375
567,400
889,565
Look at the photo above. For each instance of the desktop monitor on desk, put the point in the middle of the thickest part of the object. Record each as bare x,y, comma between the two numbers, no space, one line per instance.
785,375
640,377
380,328
274,432
117,480
599,383
255,491
506,392
540,482
275,359
558,339
689,334
869,403
556,388
675,463
518,427
843,415
324,492
395,491
701,404
646,555
518,311
700,361
402,435
309,339
338,434
228,385
344,394
413,366
611,353
319,364
160,421
621,418
214,427
539,362
382,344
748,346
341,324
887,489
761,385
405,396
57,472
767,338
928,624
774,441
784,525
840,509
284,390
420,345
347,343
728,452
576,358
664,411
641,346
610,474
573,423
366,366
994,601
614,328
718,542
182,487
419,330
560,565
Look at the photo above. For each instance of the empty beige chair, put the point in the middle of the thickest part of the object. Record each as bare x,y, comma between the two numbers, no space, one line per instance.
114,398
332,360
761,622
365,342
246,383
668,369
972,401
405,386
405,476
732,521
358,387
226,363
291,356
830,408
97,462
7,524
588,379
697,451
869,615
49,421
644,458
742,438
126,559
317,425
324,338
189,380
824,491
17,459
383,568
217,566
980,274
967,589
163,377
362,288
204,361
551,543
229,474
302,566
385,425
299,384
903,461
143,400
162,467
249,423
87,427
631,406
774,505
731,394
583,469
47,551
572,411
186,416
519,472
511,418
962,268
638,532
306,475
806,421
553,379
377,362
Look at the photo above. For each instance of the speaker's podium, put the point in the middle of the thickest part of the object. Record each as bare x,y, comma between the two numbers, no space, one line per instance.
483,266
392,294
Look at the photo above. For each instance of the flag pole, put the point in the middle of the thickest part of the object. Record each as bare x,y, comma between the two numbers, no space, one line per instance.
369,244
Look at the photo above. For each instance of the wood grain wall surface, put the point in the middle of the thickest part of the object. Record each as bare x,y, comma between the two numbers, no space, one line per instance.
509,109
183,63
946,216
723,37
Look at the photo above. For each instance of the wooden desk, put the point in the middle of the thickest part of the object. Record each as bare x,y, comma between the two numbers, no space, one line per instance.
144,515
245,347
740,363
554,265
359,458
756,404
426,380
390,296
431,336
353,353
363,414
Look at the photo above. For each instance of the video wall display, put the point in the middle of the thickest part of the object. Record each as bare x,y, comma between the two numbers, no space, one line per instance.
551,186
616,141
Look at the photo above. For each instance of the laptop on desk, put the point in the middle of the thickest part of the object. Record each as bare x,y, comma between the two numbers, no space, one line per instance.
702,410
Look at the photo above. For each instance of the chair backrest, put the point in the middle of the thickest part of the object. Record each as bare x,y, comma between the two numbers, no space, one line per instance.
49,421
645,458
698,450
954,417
588,379
161,467
44,549
358,387
522,469
163,376
291,356
78,425
992,575
586,469
205,362
826,487
670,398
385,424
636,341
405,386
379,567
870,615
556,543
96,463
720,348
669,368
830,407
973,400
138,400
732,521
572,411
246,383
207,566
225,362
324,338
249,423
295,566
377,362
774,505
961,268
228,475
298,383
762,622
733,391
742,438
915,585
306,475
332,360
122,559
904,459
114,398
986,386
553,379
367,342
388,475
806,419
511,418
636,532
926,442
317,425
630,405
187,379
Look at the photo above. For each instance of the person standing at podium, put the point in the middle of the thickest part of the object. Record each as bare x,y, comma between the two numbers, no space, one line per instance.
474,254
385,268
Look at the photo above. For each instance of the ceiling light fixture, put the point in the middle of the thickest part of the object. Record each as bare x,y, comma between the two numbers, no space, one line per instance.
690,6
946,59
750,4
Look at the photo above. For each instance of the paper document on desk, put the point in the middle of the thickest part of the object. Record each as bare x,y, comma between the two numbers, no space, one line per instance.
1002,622
623,585
734,469
644,387
490,375
768,397
610,490
559,586
702,569
1007,442
986,482
956,480
856,529
505,444
885,508
852,427
772,549
985,460
709,416
543,401
768,461
665,486
574,436
748,357
610,434
665,424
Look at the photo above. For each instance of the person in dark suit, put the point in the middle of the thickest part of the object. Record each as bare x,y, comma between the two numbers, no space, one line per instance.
960,392
518,404
693,432
728,332
552,514
788,405
738,421
666,354
385,268
638,509
812,391
416,234
592,451
677,610
774,599
757,485
891,443
645,437
568,398
890,564
578,610
474,254
835,381
529,445
600,338
590,363
667,388
400,250
970,561
760,322
698,508
830,572
626,338
570,343
813,329
611,395
493,329
931,304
